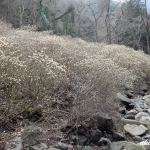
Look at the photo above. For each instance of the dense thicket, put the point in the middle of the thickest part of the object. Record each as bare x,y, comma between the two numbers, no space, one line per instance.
93,20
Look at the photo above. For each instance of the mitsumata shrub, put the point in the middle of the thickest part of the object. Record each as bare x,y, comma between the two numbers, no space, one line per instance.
36,65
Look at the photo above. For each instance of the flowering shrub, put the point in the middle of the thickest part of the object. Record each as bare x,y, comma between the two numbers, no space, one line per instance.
35,65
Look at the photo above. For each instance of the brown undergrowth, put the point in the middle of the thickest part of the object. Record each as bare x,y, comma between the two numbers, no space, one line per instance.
39,69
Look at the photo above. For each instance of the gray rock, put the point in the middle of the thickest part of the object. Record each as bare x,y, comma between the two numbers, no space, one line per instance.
129,117
137,139
82,140
135,130
132,112
87,148
103,141
142,116
130,94
14,144
122,110
118,136
146,97
123,98
123,145
53,149
95,135
147,136
103,121
31,135
63,146
144,89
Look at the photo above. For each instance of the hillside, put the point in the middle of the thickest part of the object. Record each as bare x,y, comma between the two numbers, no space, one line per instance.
38,70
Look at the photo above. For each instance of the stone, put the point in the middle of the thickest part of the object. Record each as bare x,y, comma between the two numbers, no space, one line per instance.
146,97
137,139
103,121
131,106
147,136
124,145
63,146
135,130
132,112
53,149
144,89
122,110
103,141
14,144
87,148
129,117
123,98
130,94
118,136
147,102
31,135
82,140
95,135
142,116
41,146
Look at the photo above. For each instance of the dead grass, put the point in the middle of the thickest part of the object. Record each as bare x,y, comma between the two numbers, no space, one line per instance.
38,67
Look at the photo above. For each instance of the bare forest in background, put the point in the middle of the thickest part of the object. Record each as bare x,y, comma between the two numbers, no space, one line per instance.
92,20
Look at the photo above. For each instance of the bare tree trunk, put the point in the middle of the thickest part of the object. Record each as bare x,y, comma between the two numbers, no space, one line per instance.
108,22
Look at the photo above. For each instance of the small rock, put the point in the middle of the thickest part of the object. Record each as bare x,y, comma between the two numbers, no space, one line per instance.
146,97
122,110
103,141
63,146
142,116
87,148
31,135
132,112
135,130
137,139
82,140
123,98
14,144
144,89
118,136
130,117
130,94
147,136
123,145
95,135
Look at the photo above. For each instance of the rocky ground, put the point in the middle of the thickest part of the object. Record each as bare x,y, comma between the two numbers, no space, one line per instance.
97,132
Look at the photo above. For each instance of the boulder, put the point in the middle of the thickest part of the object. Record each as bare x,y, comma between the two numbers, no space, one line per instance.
95,135
82,140
103,121
135,130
